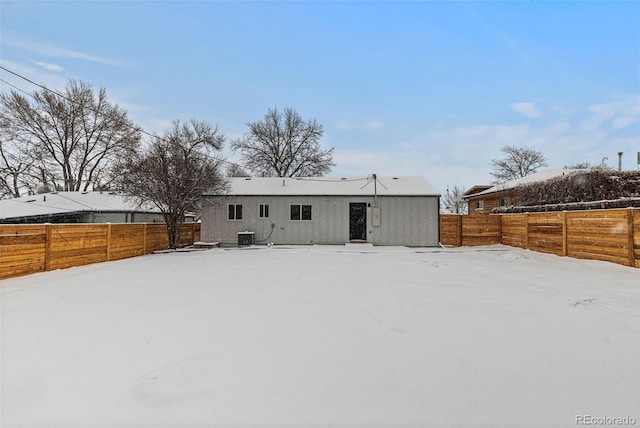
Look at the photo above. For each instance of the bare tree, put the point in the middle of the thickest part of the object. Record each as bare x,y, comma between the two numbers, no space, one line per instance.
13,166
73,135
174,171
234,170
14,170
452,201
518,162
581,165
284,145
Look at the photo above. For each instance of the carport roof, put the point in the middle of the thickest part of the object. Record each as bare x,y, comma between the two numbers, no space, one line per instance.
69,202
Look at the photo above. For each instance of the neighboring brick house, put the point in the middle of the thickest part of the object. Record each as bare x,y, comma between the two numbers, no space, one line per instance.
482,199
475,208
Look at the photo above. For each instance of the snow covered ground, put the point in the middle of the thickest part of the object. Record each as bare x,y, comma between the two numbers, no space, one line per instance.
341,336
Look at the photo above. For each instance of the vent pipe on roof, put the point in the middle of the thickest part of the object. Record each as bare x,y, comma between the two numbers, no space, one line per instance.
619,161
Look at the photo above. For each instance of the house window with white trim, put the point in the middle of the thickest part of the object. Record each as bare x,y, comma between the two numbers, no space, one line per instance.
504,202
235,212
479,204
300,212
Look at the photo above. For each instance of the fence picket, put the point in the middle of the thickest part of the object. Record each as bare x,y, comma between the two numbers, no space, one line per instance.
26,249
611,235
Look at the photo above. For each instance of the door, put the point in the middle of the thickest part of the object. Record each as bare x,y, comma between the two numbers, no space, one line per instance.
357,221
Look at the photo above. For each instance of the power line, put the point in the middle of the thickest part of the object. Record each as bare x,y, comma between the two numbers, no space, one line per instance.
15,87
137,128
33,83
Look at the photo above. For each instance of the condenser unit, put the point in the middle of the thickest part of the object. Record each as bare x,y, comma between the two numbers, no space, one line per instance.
246,239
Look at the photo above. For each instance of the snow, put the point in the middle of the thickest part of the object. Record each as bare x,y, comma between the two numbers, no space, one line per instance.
543,175
67,202
322,336
353,186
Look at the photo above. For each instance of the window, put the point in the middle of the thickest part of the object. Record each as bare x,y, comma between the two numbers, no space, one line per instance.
295,212
504,202
479,205
235,212
306,212
300,212
264,210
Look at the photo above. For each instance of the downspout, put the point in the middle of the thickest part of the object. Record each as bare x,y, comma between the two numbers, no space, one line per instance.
439,243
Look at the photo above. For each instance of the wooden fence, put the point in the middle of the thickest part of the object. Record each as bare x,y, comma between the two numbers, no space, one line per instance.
26,249
609,235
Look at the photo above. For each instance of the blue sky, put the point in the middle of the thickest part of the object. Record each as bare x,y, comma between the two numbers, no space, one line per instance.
401,88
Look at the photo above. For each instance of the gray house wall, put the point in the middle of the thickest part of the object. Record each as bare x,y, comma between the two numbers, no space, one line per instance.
404,220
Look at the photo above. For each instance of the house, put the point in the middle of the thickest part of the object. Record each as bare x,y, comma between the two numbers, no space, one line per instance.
77,207
483,199
472,191
378,210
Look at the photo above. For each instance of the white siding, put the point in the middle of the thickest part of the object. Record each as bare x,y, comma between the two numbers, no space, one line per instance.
405,220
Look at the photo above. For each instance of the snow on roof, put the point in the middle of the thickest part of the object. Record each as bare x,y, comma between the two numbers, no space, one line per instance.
544,175
67,202
477,189
278,186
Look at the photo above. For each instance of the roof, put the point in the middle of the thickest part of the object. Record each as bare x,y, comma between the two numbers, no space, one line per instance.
544,175
69,202
278,186
477,189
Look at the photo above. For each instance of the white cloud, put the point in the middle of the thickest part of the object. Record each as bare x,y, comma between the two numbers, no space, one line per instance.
462,155
345,125
372,125
422,162
47,66
624,121
52,80
469,132
559,128
618,114
600,113
599,132
526,109
15,67
493,133
51,50
560,109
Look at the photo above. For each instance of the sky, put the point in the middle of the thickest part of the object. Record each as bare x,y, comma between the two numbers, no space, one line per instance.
424,88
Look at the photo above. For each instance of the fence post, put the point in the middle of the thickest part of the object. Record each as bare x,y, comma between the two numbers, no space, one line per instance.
500,228
564,233
526,231
459,230
108,241
632,256
193,233
47,247
144,239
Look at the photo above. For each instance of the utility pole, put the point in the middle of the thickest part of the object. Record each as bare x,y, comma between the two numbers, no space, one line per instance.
375,190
